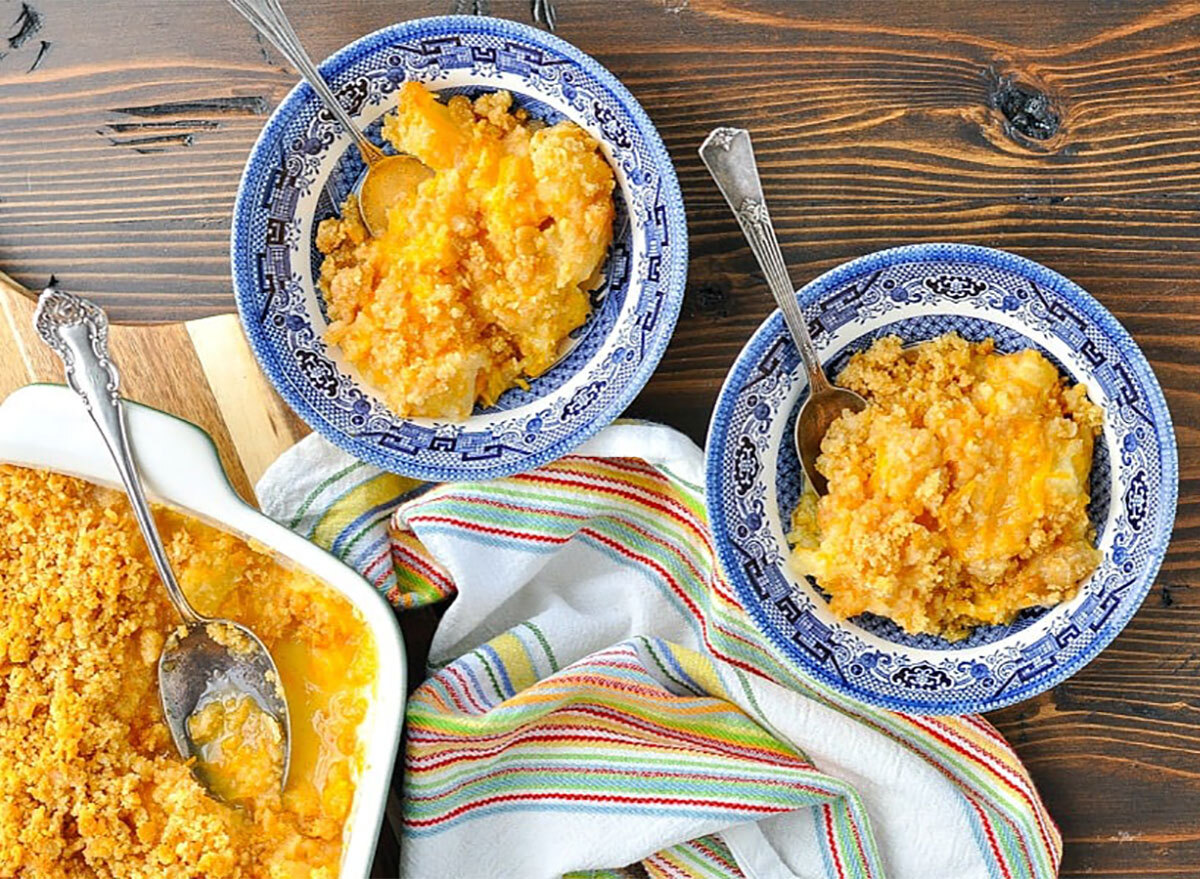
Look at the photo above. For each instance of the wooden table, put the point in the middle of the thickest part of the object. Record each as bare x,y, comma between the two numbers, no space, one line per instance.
1066,131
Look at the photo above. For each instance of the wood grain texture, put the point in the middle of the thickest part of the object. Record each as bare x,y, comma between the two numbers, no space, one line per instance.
260,424
1068,132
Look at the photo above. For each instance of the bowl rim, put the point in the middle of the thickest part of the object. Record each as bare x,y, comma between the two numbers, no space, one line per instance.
674,273
772,326
44,426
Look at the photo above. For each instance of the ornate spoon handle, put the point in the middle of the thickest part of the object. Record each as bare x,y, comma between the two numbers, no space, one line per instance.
77,331
729,157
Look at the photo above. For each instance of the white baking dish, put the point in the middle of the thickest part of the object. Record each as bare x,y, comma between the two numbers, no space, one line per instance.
46,427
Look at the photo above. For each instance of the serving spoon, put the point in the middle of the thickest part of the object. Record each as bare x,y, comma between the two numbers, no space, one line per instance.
206,658
729,157
388,178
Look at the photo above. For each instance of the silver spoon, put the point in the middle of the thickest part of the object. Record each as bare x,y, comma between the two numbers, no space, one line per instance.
388,178
729,157
193,668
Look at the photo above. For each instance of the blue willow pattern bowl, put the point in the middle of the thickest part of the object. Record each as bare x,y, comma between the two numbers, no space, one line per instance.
918,293
302,168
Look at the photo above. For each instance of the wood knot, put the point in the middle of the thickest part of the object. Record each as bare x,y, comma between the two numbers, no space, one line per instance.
1029,111
709,299
28,23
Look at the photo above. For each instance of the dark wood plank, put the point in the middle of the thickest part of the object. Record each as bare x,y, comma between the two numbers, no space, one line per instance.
123,148
1115,750
1067,132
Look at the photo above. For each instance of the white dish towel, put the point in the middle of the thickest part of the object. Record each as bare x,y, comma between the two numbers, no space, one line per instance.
599,702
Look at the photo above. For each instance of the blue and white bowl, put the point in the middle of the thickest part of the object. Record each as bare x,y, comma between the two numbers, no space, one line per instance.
918,293
303,166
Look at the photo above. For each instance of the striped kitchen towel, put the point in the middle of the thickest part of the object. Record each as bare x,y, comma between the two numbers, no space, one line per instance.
599,704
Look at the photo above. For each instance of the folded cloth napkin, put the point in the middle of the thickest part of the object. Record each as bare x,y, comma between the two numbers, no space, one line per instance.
597,697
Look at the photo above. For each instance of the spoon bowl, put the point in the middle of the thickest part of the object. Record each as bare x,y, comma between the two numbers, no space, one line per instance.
820,410
207,660
387,181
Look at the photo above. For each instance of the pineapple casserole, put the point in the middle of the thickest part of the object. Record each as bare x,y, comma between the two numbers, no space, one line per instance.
959,495
486,264
240,747
90,782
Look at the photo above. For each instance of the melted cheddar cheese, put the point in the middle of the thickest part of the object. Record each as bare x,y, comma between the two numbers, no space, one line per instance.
485,266
959,495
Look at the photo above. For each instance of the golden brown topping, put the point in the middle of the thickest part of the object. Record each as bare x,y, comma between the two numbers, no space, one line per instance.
90,782
959,495
484,271
230,637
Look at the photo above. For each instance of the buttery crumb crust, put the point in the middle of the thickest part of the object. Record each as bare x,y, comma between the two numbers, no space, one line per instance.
90,782
959,496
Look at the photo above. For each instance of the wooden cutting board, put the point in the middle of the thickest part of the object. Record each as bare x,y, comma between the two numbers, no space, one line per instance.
201,370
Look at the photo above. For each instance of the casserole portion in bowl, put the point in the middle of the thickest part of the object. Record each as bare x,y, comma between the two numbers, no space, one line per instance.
959,496
485,267
478,338
996,515
90,781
